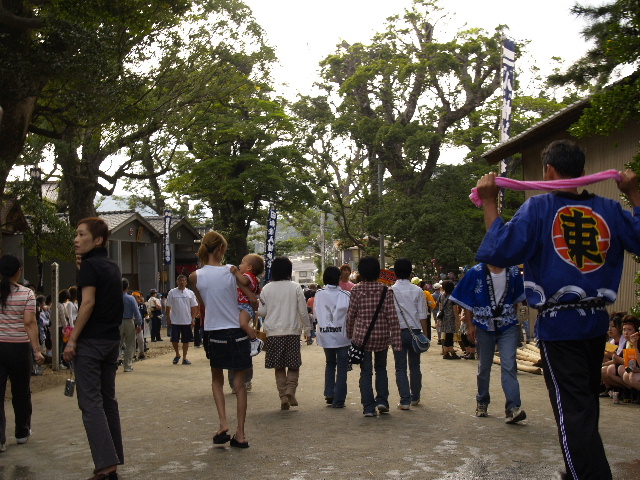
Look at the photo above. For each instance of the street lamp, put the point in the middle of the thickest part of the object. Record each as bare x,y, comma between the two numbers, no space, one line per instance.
35,173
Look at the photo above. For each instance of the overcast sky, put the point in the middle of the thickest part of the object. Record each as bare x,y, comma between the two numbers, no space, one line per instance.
304,32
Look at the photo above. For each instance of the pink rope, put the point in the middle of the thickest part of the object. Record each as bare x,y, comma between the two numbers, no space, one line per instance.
548,185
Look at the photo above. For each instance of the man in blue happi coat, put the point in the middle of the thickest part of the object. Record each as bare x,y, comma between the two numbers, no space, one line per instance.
489,296
572,245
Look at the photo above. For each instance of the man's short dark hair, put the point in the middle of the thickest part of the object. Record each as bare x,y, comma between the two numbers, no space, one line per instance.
369,268
403,268
331,275
448,287
125,284
97,227
566,157
281,269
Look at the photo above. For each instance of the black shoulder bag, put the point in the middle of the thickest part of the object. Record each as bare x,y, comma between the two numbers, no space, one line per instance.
356,352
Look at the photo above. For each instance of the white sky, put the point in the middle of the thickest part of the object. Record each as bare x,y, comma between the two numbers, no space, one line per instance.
304,32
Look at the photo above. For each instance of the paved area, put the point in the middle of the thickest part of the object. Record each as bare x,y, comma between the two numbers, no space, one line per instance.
169,418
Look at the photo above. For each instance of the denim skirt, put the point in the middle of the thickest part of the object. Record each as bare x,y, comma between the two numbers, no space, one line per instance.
229,349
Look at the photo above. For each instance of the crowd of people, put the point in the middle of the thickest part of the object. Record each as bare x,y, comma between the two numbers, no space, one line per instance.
356,319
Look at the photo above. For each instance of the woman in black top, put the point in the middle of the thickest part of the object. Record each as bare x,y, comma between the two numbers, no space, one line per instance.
94,345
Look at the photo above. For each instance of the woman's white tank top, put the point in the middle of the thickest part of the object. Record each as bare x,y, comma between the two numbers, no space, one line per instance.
219,292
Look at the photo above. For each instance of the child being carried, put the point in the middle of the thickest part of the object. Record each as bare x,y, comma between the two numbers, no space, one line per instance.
246,274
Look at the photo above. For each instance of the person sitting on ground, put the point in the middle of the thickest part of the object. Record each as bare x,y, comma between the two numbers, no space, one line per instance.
631,375
615,335
330,310
246,275
616,368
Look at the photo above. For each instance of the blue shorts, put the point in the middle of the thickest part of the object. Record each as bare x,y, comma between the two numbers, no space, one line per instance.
183,331
247,308
229,349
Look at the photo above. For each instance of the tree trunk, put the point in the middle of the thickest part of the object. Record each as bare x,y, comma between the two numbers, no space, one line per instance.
13,132
79,183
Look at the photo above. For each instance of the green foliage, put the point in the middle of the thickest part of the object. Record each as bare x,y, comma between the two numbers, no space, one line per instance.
50,235
614,30
401,94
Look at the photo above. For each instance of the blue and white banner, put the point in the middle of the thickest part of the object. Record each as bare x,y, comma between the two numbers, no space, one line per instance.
166,247
508,79
270,247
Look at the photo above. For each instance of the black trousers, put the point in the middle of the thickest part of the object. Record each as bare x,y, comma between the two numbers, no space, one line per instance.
156,325
197,333
96,363
572,372
15,365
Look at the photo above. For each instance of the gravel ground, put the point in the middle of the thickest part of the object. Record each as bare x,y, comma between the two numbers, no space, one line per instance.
168,418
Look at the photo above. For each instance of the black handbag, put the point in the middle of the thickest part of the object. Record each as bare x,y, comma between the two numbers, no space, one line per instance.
356,352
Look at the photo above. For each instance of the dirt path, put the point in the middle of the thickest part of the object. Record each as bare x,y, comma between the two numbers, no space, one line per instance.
168,419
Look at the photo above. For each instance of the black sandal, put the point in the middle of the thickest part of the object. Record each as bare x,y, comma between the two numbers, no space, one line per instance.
221,438
237,444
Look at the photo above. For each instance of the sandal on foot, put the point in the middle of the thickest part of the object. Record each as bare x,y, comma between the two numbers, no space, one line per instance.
237,444
186,362
221,438
176,360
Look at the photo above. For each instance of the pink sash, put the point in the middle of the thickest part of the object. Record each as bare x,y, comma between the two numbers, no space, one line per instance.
548,185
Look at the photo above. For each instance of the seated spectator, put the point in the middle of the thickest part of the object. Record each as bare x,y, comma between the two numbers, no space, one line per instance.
631,376
615,334
616,367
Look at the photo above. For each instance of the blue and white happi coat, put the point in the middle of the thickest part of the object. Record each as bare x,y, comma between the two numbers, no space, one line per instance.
472,293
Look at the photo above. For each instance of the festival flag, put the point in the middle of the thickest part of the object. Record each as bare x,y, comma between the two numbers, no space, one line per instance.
508,78
167,243
270,247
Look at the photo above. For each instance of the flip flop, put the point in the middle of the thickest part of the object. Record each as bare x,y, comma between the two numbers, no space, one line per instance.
237,444
221,438
186,362
176,360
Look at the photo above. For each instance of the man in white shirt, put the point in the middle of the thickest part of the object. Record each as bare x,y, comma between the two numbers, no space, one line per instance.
411,306
182,308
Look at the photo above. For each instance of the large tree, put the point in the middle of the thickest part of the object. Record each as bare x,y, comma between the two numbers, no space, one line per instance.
401,94
239,155
66,44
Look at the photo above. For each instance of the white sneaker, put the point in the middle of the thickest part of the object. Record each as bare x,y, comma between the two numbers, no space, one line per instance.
415,402
3,447
256,346
24,439
63,367
403,407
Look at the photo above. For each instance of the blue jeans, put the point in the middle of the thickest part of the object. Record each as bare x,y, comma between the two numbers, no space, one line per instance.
408,388
507,342
335,385
369,402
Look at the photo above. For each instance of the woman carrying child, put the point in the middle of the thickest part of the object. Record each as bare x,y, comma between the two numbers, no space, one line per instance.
229,346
